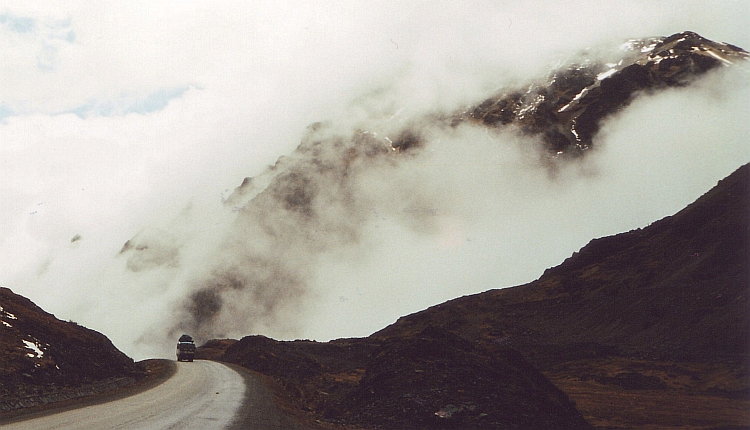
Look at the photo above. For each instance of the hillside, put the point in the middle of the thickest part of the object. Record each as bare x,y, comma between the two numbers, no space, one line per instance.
675,290
633,328
644,329
45,359
654,318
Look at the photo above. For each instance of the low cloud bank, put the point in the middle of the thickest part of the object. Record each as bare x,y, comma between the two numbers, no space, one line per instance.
129,222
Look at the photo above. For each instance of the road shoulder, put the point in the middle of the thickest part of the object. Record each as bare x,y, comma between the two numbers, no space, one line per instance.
263,408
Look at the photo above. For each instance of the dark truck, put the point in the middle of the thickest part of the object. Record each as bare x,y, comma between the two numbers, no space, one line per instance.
185,348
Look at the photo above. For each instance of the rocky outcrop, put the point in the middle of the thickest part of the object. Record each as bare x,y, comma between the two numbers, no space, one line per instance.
432,380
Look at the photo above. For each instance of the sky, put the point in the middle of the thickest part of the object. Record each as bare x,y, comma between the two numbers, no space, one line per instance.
136,121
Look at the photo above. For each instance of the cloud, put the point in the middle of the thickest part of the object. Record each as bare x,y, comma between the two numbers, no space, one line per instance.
139,119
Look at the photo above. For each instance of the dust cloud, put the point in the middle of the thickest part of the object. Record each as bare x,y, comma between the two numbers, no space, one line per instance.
126,205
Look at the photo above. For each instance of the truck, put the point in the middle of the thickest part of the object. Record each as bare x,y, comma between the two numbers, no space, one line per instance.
185,348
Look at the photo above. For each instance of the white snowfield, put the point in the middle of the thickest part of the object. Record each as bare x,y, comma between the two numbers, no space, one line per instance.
201,395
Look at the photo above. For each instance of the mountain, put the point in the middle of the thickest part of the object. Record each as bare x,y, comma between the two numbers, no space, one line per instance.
633,328
45,359
675,290
318,198
665,308
646,329
567,108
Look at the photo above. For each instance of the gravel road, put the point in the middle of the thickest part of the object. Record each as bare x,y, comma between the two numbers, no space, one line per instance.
200,395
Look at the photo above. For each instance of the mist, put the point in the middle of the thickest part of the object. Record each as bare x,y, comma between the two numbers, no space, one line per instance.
128,132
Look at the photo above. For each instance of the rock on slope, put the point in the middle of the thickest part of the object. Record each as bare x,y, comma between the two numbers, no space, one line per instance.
42,355
437,379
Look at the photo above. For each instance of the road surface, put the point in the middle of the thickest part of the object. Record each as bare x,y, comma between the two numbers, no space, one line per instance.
200,395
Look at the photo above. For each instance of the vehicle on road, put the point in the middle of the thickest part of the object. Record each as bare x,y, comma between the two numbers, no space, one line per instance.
185,348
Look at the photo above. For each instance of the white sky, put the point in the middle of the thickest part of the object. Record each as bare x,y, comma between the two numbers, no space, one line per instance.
116,115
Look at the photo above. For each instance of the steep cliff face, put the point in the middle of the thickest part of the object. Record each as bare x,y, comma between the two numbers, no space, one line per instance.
566,110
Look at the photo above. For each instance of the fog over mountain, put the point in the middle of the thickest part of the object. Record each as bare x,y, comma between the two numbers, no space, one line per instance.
127,132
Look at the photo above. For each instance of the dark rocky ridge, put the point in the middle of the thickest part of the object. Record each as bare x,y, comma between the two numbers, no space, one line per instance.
566,110
675,290
42,355
637,325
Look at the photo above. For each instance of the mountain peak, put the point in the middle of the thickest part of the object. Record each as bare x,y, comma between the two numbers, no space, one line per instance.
567,108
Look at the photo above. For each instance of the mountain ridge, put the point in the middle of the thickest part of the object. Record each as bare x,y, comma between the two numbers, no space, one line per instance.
654,317
566,110
703,246
319,197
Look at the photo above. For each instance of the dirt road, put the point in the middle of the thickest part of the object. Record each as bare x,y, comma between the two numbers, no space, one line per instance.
200,395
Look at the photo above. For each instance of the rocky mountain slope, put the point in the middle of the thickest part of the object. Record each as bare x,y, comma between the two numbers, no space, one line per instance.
567,108
675,290
663,310
658,313
45,359
633,327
